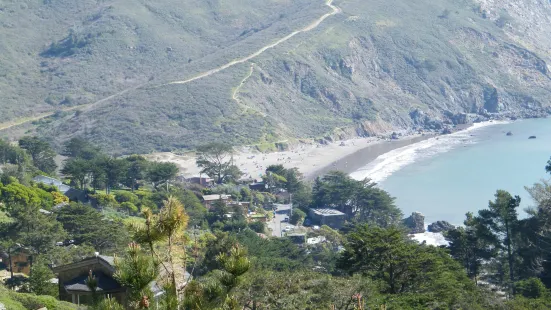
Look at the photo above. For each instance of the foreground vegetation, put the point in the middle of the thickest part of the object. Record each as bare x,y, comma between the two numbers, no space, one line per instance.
205,259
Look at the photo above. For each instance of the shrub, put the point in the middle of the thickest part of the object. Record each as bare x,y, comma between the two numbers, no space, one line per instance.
258,227
124,196
297,217
531,288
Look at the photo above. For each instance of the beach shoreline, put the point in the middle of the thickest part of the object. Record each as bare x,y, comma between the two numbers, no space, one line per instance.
312,159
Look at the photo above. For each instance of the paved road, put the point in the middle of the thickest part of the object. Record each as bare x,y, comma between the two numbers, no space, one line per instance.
276,223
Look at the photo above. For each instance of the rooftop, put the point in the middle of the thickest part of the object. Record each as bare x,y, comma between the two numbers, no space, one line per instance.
105,283
327,212
215,197
51,181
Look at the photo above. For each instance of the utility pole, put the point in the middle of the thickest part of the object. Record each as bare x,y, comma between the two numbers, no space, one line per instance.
291,203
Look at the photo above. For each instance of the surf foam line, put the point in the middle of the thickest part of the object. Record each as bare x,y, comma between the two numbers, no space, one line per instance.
387,164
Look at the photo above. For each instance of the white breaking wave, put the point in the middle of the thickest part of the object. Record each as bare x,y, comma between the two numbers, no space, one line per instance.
385,165
435,239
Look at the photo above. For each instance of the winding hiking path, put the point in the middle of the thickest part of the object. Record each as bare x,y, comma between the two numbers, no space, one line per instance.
313,25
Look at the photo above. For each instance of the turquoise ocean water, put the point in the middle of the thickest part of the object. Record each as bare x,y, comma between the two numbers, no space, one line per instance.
446,177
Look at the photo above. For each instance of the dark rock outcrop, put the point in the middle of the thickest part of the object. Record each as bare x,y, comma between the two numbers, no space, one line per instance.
532,137
509,133
416,223
440,226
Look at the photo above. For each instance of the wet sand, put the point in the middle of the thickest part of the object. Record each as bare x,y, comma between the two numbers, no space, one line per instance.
362,157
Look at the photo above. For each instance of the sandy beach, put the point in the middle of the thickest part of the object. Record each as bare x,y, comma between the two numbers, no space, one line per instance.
311,159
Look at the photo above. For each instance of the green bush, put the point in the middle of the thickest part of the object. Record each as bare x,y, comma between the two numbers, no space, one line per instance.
31,301
297,217
10,303
531,288
124,196
258,227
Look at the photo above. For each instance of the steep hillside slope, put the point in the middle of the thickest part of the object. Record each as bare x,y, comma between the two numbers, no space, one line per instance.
375,66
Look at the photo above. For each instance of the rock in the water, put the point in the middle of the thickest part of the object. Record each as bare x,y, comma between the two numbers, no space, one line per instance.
440,226
532,137
509,133
416,223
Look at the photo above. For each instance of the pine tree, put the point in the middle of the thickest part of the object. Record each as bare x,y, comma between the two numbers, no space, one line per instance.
136,270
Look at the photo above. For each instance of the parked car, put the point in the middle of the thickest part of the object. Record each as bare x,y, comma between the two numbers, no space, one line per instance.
286,220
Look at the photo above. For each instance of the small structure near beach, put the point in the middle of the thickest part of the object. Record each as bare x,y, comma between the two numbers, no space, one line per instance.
330,217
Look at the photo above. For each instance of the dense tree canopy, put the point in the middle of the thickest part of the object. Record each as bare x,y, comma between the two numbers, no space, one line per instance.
360,200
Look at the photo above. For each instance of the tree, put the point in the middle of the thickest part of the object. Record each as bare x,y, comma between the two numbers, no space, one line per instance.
39,279
114,171
19,194
168,226
137,170
499,223
160,173
402,265
278,176
214,291
469,247
135,271
10,154
376,206
360,200
77,169
80,148
97,173
259,227
216,161
297,217
41,153
86,225
531,288
108,304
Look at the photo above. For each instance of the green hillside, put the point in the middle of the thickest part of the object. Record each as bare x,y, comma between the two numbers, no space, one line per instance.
104,68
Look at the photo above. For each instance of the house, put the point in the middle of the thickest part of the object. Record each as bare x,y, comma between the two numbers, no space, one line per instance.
209,200
297,238
330,217
258,218
71,193
259,186
21,260
72,280
316,240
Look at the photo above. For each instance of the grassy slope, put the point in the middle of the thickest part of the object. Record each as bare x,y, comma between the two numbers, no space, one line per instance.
368,67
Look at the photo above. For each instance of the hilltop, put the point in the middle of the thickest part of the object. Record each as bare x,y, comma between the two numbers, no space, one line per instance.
106,70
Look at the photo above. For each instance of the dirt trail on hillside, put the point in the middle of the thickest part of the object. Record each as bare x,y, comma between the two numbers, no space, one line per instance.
315,24
87,106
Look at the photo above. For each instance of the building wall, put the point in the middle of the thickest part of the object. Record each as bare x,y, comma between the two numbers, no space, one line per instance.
70,274
20,263
333,221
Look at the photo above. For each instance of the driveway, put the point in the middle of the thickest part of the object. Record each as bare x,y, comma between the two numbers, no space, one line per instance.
277,224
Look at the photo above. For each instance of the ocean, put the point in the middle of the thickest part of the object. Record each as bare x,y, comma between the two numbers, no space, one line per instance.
446,176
